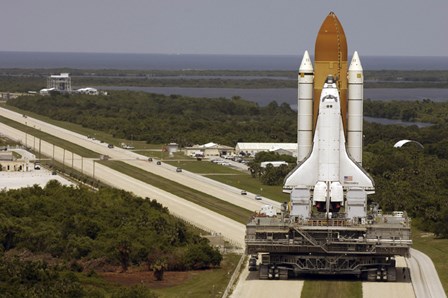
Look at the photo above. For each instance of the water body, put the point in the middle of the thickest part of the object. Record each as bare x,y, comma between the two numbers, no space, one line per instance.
385,121
197,61
288,95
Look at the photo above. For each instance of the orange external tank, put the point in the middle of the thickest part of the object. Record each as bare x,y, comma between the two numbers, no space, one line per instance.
330,57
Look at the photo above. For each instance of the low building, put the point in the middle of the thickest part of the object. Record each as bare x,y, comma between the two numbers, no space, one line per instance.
88,91
8,163
171,148
209,149
6,156
254,148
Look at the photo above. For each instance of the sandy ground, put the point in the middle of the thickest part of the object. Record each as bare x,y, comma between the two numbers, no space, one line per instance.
15,180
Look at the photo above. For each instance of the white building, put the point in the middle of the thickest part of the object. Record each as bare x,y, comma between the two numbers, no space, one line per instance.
8,163
254,148
209,149
88,91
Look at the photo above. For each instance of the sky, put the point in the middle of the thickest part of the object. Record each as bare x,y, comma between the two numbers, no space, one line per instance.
236,27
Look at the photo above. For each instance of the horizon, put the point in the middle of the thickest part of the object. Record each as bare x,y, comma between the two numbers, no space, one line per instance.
203,27
210,54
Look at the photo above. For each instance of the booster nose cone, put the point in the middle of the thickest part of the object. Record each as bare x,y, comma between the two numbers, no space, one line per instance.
355,64
306,66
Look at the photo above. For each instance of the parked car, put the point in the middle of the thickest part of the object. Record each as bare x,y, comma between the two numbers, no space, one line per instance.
253,264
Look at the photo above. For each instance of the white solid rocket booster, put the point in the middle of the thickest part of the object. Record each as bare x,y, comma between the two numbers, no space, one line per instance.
305,107
355,109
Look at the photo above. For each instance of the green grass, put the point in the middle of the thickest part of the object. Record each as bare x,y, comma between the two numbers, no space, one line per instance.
232,177
210,283
222,207
35,134
333,289
436,249
203,167
159,154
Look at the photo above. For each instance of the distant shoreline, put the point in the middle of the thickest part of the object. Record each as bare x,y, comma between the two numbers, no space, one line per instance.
200,62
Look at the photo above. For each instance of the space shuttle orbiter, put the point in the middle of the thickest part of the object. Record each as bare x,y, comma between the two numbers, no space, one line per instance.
327,116
328,169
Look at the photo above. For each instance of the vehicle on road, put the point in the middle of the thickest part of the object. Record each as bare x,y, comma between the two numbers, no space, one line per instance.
159,163
243,192
253,263
257,197
110,146
125,146
150,159
178,170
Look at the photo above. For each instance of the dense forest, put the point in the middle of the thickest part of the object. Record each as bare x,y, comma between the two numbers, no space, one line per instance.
408,178
158,118
82,230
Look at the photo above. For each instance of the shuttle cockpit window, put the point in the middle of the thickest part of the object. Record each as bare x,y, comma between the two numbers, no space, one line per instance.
334,98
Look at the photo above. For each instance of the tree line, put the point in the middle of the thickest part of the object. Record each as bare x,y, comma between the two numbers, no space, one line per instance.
81,228
157,118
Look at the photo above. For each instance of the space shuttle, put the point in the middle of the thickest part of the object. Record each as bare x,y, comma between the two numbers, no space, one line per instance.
330,116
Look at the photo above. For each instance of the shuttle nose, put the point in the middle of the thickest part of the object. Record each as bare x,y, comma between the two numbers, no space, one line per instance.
330,79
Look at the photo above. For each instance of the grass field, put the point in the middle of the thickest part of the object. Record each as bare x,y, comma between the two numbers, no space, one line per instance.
333,289
211,283
232,177
203,167
229,210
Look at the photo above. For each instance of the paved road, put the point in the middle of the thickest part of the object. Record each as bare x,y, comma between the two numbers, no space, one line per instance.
424,276
401,288
250,286
198,182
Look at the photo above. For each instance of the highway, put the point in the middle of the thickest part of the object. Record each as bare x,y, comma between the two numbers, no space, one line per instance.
198,182
200,216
